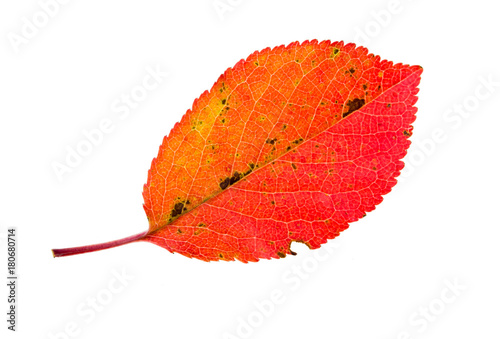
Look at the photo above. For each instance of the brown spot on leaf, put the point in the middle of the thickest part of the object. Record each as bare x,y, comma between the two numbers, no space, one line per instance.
223,185
177,209
353,105
252,166
235,178
271,141
281,254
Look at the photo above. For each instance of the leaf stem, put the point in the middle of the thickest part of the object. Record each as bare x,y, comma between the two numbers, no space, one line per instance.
92,248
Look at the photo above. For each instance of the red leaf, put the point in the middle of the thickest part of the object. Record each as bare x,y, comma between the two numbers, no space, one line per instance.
291,144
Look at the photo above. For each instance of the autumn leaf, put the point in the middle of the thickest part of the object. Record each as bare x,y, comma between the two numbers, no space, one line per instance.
292,144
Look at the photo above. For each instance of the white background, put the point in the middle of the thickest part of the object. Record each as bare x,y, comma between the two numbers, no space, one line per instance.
439,225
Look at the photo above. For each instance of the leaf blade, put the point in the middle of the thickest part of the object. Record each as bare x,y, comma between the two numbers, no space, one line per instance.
341,88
